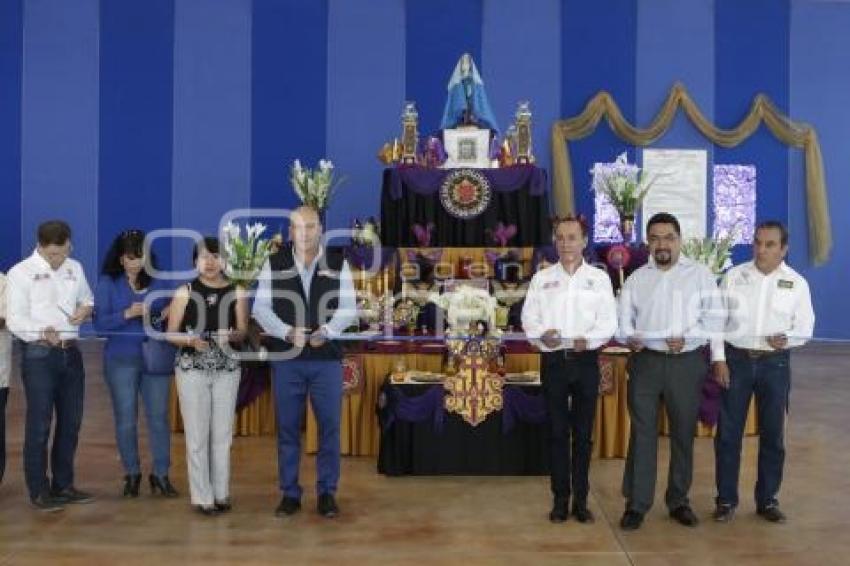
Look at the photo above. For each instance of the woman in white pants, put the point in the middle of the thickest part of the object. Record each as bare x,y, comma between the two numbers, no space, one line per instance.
209,316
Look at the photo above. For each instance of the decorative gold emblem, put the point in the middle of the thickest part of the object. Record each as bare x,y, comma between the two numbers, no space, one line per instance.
473,392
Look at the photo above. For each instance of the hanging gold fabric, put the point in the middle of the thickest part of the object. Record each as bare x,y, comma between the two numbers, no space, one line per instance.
794,134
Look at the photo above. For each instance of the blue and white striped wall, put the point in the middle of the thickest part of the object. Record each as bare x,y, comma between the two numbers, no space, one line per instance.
161,113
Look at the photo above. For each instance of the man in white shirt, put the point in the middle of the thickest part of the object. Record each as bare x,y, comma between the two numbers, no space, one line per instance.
570,313
668,310
48,299
769,311
305,299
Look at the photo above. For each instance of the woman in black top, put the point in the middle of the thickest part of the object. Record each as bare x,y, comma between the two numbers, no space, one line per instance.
206,317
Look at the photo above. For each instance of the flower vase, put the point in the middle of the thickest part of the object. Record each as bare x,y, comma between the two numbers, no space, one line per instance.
627,227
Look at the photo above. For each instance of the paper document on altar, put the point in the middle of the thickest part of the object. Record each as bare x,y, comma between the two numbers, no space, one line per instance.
679,187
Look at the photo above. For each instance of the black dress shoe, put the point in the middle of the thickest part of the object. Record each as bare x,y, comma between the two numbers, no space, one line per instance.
207,510
558,514
47,503
723,513
72,495
287,507
583,514
684,516
223,506
327,506
772,514
162,485
631,521
131,485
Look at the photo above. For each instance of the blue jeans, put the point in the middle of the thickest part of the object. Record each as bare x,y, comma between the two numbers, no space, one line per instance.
54,380
292,381
126,380
769,378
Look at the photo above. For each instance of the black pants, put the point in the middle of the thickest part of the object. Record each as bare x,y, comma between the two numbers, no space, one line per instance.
4,395
570,385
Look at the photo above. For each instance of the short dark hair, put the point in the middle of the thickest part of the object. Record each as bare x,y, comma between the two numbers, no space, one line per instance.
783,231
209,243
580,219
53,233
664,218
129,242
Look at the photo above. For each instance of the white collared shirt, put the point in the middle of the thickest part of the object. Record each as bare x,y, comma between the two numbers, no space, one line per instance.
760,305
580,305
681,302
39,297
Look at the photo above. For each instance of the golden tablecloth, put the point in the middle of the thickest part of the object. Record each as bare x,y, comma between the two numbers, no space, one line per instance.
360,434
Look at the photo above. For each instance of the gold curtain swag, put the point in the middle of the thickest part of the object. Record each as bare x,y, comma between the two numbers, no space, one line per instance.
789,132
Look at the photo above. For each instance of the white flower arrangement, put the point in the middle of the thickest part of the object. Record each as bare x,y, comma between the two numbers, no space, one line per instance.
714,253
366,233
369,307
314,187
244,258
624,183
465,305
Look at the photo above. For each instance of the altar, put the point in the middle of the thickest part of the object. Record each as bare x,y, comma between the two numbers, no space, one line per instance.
361,431
515,196
477,217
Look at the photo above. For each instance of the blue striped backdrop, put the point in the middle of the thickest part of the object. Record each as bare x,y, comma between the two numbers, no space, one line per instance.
161,113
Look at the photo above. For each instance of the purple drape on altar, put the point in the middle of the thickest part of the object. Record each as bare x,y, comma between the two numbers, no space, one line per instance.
255,379
519,405
415,409
428,181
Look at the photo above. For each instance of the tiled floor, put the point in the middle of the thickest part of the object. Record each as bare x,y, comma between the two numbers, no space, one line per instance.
442,520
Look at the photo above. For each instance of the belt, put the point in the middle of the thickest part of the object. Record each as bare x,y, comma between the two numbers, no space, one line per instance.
572,354
669,354
62,344
755,354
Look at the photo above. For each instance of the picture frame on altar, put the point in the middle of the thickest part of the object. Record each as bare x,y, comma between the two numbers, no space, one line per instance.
467,147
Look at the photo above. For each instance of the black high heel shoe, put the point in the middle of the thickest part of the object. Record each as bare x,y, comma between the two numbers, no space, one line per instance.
131,485
162,485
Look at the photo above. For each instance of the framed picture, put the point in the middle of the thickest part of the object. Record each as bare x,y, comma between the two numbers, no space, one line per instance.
467,147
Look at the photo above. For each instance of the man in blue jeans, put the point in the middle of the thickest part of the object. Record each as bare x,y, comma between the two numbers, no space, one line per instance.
48,299
305,299
769,311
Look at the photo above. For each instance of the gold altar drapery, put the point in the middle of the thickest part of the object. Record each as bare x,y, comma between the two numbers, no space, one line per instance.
360,433
789,132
